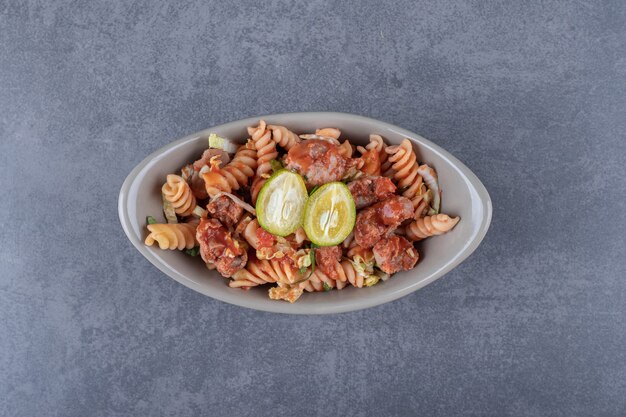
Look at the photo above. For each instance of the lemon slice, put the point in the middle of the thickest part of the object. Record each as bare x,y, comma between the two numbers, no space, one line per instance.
329,214
280,204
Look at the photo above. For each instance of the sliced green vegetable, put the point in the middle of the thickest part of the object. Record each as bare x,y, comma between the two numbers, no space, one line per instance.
218,142
150,220
327,287
329,214
280,204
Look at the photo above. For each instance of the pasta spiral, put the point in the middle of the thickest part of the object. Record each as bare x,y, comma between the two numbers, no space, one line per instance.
249,233
235,174
421,204
316,282
345,149
346,274
365,254
430,226
283,136
376,142
406,168
255,188
172,236
299,236
266,151
177,191
259,272
329,132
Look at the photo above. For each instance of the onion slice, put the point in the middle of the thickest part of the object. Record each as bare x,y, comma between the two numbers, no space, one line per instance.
430,178
237,200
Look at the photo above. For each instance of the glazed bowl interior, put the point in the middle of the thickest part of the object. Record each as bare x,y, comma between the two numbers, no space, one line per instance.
463,195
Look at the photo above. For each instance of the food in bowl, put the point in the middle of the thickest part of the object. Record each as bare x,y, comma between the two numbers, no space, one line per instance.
301,212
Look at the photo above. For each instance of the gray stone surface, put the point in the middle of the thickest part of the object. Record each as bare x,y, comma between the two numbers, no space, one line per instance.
531,97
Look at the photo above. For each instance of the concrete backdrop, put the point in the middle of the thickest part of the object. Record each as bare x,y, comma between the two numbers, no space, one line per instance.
532,97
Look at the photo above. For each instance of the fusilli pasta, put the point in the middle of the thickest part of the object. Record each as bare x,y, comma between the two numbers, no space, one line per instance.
376,142
172,236
283,137
249,233
177,191
329,132
266,151
259,272
316,282
235,174
345,149
406,168
430,226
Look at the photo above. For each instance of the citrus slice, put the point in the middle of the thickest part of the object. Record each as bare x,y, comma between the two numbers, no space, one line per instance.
329,214
281,201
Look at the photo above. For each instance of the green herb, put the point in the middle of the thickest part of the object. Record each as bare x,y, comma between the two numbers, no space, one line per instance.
312,255
276,165
327,287
193,251
314,189
314,246
303,269
150,220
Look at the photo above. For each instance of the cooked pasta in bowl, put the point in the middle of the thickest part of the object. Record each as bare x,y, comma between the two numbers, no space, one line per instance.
304,212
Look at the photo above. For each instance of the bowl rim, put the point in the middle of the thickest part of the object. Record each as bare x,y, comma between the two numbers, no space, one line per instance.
288,308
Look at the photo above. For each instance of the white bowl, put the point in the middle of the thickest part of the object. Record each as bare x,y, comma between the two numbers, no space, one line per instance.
463,195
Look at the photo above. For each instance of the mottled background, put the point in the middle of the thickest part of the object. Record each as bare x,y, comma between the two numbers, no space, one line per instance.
532,97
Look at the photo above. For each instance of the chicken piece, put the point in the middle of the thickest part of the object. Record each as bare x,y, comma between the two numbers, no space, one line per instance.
395,254
368,190
225,210
368,228
327,258
379,220
217,246
394,210
318,161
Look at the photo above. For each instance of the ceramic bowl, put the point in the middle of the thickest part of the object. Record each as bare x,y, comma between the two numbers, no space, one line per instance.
463,195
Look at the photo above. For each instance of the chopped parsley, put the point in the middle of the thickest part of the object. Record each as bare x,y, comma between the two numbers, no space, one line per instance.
193,251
